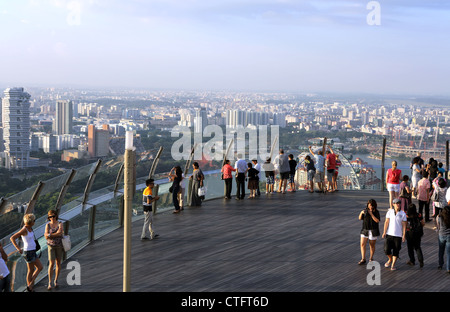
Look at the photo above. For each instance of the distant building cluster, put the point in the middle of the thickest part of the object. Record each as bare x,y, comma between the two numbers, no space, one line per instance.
91,124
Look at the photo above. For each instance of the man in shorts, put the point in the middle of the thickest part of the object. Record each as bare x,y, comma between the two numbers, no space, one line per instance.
283,161
320,175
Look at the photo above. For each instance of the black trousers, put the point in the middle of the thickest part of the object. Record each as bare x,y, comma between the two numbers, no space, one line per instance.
413,243
228,187
392,245
240,183
425,204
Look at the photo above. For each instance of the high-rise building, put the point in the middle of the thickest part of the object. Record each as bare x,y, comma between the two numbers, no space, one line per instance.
200,120
16,127
64,118
98,141
279,119
236,118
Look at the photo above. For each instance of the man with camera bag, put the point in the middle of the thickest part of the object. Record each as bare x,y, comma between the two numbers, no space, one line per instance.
147,200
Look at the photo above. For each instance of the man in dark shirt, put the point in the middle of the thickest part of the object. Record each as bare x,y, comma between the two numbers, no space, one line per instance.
293,167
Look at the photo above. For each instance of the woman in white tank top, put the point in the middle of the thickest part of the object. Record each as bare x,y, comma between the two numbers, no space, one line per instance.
28,241
34,265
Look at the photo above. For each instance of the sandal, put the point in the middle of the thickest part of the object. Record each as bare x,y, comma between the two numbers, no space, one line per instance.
387,264
363,261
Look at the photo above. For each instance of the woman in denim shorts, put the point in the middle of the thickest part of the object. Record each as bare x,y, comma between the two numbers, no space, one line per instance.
34,265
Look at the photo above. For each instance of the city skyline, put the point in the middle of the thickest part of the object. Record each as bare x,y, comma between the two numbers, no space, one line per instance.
266,46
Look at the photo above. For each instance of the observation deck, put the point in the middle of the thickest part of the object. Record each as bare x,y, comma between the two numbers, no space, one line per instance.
293,242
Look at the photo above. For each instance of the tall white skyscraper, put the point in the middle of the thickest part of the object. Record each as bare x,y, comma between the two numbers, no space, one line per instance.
200,120
16,127
64,117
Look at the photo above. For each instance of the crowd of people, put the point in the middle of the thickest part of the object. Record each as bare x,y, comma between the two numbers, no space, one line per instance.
403,221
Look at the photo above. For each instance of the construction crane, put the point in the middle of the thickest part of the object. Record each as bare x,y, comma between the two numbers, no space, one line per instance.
423,134
436,135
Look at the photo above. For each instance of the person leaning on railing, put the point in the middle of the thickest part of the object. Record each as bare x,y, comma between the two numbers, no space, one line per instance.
227,178
29,251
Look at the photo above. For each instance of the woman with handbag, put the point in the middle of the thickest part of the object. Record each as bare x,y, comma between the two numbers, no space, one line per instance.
405,193
54,234
439,202
29,250
197,182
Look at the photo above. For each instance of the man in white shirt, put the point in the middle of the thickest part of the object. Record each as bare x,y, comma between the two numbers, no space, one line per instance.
394,232
241,169
319,177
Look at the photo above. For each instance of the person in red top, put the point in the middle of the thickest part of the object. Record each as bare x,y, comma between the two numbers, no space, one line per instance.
331,168
228,178
393,182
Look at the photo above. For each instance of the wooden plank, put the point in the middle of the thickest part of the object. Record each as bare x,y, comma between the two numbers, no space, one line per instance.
295,242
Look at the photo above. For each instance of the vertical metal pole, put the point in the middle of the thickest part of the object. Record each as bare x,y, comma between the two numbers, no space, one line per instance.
129,160
155,193
446,160
383,155
91,225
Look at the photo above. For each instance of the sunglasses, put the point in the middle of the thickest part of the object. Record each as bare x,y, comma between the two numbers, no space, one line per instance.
51,217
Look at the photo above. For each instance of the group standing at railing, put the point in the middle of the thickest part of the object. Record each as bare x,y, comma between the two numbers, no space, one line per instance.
281,170
31,252
403,222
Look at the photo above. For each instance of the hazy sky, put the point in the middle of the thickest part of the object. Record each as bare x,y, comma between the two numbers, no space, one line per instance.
262,45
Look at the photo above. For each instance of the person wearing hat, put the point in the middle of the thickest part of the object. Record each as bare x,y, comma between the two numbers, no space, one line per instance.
394,233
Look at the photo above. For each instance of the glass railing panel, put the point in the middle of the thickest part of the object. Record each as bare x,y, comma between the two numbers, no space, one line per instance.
107,216
79,231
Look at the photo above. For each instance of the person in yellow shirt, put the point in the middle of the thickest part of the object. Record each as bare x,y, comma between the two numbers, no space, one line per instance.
147,200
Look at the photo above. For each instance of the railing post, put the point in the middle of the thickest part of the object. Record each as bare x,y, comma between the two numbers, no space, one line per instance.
121,210
155,203
91,226
189,193
446,160
66,232
383,155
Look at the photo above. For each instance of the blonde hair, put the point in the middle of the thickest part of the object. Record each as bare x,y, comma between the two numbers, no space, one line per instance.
28,218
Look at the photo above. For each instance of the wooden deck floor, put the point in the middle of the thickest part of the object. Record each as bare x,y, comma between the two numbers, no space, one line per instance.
294,242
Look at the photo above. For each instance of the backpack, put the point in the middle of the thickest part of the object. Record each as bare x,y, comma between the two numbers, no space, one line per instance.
415,226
